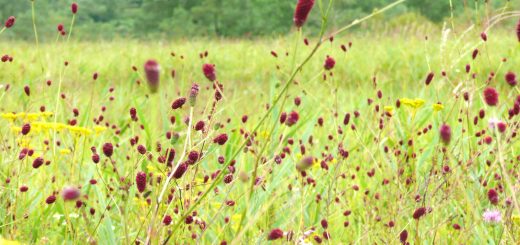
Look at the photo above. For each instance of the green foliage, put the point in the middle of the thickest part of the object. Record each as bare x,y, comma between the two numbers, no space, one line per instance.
109,19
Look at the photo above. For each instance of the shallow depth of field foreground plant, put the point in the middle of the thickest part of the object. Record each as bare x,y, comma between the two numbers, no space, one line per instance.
315,139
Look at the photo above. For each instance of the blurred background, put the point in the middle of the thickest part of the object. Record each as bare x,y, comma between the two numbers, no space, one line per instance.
152,19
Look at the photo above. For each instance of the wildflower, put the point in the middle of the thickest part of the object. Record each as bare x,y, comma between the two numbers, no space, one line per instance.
414,103
518,30
483,35
429,78
419,213
275,234
303,8
445,133
51,199
492,216
179,172
511,78
60,27
209,72
438,107
26,128
292,118
329,63
220,139
493,196
10,22
497,124
167,220
151,70
193,94
74,8
37,162
403,236
178,103
70,193
108,149
305,163
140,181
490,96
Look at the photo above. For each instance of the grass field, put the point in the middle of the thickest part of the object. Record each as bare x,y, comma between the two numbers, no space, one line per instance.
415,163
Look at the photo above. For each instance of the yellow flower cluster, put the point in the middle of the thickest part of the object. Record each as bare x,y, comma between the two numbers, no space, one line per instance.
44,126
414,103
26,116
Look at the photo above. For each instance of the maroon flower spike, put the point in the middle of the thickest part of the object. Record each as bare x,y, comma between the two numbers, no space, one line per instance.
26,128
209,72
70,193
10,22
303,8
403,236
275,234
483,35
140,181
167,220
445,133
419,213
50,199
178,103
74,8
37,162
511,78
490,96
152,69
193,94
179,172
429,78
60,27
518,30
108,149
329,63
493,196
221,139
292,118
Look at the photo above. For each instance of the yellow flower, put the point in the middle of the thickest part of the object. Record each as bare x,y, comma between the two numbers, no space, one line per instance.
438,107
389,109
414,103
16,129
8,242
65,151
516,219
99,129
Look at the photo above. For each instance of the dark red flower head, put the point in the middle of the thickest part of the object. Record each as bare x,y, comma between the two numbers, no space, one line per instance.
292,118
193,94
419,213
209,72
275,234
511,79
518,30
70,193
221,139
108,149
60,27
140,181
10,22
179,172
152,71
74,8
445,133
493,196
491,96
329,63
403,236
51,199
429,78
178,103
303,8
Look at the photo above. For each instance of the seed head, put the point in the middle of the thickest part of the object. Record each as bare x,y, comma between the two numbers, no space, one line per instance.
10,22
490,96
108,149
445,133
74,8
209,72
152,71
70,193
275,234
329,63
140,181
303,8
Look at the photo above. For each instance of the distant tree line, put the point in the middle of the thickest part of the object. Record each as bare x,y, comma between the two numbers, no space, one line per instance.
228,18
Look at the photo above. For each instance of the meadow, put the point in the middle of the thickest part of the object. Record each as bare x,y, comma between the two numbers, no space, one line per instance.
386,138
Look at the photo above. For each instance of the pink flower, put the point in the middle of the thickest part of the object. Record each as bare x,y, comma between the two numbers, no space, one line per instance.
10,22
152,72
492,216
303,8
